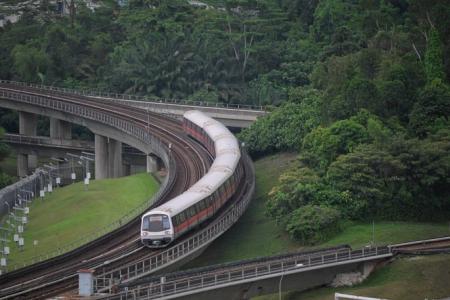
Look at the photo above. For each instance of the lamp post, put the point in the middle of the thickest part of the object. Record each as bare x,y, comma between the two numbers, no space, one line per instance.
299,265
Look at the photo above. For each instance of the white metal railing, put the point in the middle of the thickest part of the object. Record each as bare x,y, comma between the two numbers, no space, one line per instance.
224,276
105,280
117,122
129,97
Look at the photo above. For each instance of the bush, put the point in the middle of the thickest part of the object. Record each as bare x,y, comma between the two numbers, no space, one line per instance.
311,224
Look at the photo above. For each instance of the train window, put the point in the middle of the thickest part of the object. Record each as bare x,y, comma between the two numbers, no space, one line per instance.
191,211
155,223
203,204
174,220
181,217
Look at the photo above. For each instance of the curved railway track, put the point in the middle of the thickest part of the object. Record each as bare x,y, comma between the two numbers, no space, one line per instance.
59,274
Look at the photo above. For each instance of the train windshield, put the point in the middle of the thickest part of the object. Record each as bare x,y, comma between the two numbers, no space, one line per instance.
155,223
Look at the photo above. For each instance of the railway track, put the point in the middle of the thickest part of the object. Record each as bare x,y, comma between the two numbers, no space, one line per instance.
58,275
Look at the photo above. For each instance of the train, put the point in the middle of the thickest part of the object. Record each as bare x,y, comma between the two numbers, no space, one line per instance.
163,224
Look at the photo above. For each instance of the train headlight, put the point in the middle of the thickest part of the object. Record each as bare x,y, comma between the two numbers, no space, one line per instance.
144,233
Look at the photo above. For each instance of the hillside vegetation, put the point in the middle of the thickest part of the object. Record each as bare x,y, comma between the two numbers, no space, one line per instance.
358,87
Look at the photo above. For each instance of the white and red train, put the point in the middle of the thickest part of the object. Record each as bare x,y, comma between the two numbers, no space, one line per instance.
163,224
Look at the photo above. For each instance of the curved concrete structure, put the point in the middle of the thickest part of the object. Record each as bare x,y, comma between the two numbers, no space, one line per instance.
107,127
232,115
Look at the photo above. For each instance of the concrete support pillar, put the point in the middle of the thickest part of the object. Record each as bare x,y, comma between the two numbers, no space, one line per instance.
101,157
114,158
60,129
27,126
22,165
152,164
27,123
108,157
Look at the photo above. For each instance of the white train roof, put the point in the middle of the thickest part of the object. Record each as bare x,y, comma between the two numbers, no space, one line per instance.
223,166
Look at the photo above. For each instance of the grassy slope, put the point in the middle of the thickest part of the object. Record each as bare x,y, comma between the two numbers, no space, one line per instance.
412,278
70,213
255,234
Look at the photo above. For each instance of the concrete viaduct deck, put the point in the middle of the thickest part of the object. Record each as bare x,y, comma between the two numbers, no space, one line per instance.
232,115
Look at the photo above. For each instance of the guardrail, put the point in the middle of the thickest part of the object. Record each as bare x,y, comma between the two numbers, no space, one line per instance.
104,281
189,283
122,124
102,94
192,281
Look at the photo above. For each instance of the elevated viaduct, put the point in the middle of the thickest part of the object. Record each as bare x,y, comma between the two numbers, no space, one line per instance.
113,124
108,149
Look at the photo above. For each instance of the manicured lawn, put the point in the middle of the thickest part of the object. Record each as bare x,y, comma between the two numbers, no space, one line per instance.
71,212
255,234
411,278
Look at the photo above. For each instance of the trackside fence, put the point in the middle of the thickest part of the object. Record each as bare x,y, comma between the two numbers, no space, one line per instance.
104,281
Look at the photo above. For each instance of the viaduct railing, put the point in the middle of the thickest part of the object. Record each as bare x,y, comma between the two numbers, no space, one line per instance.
191,283
119,123
117,96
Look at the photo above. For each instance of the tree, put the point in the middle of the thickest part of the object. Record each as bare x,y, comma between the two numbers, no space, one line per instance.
311,224
29,62
285,127
431,109
434,66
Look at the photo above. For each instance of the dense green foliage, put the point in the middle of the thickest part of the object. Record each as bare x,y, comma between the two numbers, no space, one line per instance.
360,88
313,224
375,143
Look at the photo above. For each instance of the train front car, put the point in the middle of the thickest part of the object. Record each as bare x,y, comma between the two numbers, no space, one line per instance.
156,229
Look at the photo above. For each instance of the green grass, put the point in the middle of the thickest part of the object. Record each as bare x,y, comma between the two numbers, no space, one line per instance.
360,234
71,212
411,278
255,234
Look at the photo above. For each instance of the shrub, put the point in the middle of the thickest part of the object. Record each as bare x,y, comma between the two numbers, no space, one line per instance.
311,224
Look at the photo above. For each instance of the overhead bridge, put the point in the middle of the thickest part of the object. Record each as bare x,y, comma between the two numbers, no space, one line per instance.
231,115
